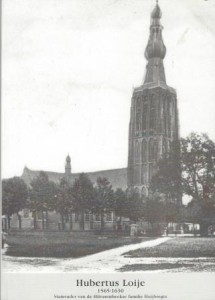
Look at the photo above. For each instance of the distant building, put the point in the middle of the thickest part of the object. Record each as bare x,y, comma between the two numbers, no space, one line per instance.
118,179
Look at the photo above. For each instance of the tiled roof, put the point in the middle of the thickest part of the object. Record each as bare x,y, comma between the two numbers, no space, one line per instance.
117,177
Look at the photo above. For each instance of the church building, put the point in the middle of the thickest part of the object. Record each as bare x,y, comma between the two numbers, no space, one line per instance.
153,127
154,113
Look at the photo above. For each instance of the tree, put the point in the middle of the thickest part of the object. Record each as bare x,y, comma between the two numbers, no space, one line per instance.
14,196
104,201
135,206
170,213
167,181
64,201
83,194
194,212
42,197
120,205
154,211
198,181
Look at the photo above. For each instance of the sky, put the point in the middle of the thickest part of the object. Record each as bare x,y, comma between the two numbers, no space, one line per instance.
69,68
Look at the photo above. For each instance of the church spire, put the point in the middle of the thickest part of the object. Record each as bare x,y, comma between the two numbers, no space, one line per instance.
68,168
155,49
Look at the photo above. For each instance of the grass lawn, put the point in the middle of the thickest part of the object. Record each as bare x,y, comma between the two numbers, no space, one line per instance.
179,247
64,245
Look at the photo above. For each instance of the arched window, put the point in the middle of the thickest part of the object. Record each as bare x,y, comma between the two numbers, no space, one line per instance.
136,175
165,147
144,174
151,171
138,114
145,107
144,151
152,122
137,152
151,149
155,150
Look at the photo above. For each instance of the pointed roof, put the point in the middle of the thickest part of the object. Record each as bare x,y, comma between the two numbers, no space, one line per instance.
155,50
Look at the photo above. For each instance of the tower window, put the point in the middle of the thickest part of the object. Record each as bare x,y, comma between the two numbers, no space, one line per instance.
137,175
145,106
152,122
153,150
144,192
144,151
138,114
137,152
144,174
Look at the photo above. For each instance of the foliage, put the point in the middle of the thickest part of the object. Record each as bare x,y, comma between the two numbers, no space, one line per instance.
190,171
153,209
42,195
167,181
198,167
104,200
83,195
120,203
14,196
134,210
63,200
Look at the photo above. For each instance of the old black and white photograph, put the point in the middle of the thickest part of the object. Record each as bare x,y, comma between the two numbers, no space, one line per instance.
108,137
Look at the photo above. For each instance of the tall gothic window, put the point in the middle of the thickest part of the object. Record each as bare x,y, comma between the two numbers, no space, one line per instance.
165,146
137,174
138,114
145,106
152,122
144,174
167,117
144,151
144,192
153,150
137,151
150,171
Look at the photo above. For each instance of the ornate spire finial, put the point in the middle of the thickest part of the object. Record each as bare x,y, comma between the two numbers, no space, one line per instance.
155,49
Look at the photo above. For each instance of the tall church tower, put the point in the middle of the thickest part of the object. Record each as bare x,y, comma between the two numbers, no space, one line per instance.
154,114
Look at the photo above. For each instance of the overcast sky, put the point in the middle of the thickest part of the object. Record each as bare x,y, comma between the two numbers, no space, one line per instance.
69,68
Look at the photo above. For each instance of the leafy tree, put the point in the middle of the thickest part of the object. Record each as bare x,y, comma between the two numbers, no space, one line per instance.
135,206
194,212
190,171
167,181
198,169
120,205
42,196
14,196
153,211
170,213
83,194
104,201
64,201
